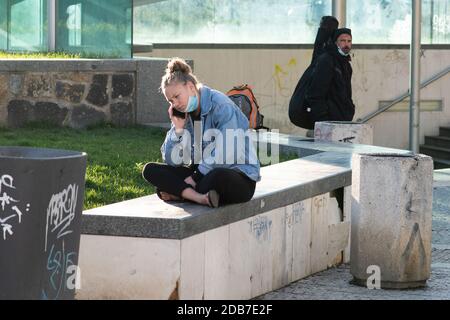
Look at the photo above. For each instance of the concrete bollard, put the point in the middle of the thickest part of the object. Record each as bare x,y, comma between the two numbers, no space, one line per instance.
342,131
391,220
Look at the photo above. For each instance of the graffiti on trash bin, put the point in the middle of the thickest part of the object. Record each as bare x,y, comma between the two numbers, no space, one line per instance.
61,212
9,206
60,215
58,264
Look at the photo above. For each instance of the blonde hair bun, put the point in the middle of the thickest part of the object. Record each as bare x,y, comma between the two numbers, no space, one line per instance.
178,65
178,71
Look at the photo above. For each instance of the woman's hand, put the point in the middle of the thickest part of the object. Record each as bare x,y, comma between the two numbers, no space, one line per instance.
190,181
177,121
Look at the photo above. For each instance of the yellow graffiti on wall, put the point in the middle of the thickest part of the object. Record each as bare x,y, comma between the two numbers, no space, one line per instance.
281,74
279,87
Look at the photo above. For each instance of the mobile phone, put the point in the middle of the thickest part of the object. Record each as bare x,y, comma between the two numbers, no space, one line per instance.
178,114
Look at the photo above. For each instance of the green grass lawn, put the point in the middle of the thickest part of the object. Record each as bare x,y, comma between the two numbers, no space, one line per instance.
116,156
37,55
55,55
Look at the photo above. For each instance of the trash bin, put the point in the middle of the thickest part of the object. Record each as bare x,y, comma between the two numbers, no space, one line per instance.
41,201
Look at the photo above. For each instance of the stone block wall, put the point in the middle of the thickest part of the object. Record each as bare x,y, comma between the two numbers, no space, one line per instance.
78,93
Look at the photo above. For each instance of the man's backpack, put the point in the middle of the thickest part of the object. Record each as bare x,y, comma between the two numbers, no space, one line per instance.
299,112
244,98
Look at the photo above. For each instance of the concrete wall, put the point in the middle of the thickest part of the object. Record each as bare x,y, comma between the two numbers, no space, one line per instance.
379,74
79,93
241,260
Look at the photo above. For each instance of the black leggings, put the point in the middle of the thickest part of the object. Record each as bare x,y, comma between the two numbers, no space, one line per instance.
231,185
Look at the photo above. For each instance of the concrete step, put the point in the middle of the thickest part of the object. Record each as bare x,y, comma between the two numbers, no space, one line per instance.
441,163
435,152
444,131
438,141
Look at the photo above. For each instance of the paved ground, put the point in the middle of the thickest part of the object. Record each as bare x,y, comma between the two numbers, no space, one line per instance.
333,284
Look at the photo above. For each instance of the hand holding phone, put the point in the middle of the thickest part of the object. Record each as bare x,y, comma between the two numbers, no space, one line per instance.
178,118
178,114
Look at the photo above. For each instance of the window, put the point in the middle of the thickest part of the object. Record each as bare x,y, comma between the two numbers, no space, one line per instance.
96,28
74,24
389,21
283,21
27,25
436,22
228,21
3,25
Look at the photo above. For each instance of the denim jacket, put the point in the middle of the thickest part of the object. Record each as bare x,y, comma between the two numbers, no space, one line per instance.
218,114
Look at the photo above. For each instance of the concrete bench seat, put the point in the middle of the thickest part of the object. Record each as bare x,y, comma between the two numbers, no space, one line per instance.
148,249
281,185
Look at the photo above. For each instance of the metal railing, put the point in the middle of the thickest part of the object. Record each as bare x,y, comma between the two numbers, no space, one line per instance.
402,97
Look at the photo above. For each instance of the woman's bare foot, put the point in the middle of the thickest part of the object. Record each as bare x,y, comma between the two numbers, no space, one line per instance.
169,197
203,199
210,199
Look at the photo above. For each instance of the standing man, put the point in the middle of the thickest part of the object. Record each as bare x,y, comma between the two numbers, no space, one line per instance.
329,96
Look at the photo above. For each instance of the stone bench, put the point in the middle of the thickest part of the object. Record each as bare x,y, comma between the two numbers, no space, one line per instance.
148,249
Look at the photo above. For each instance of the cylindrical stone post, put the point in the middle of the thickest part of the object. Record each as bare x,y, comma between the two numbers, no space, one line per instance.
391,220
344,131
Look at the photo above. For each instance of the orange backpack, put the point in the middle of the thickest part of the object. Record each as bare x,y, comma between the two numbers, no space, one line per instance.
243,97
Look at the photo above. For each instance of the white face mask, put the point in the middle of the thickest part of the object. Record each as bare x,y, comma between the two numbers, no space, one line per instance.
342,53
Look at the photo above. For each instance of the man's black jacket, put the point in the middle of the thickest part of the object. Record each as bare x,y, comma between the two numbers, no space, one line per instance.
330,93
